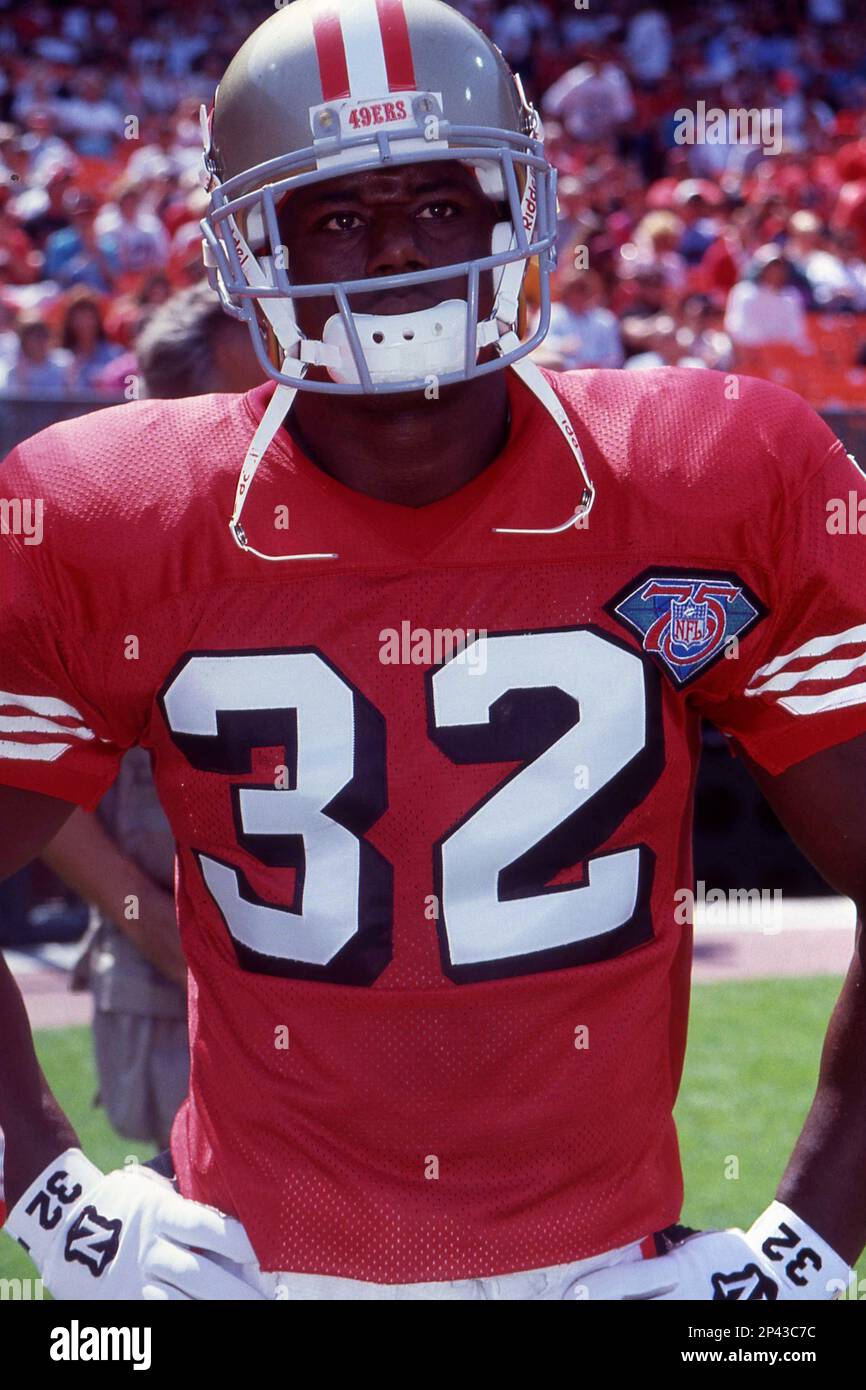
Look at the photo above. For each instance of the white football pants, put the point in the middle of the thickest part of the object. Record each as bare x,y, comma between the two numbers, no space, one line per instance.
557,1282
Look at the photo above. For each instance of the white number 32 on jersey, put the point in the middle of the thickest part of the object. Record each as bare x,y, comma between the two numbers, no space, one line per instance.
577,709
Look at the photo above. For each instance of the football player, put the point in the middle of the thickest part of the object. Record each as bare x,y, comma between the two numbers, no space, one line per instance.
419,637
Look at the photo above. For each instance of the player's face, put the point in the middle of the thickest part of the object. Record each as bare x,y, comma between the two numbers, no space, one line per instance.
387,222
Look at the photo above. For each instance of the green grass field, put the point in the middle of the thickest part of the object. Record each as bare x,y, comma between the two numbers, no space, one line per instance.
750,1074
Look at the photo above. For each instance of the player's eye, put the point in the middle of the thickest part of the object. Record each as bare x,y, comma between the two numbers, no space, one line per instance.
439,212
339,222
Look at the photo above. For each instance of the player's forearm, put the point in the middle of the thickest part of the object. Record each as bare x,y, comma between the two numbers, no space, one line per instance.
34,1127
28,822
88,860
825,1181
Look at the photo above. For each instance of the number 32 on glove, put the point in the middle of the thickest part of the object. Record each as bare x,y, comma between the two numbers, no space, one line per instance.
779,1257
127,1235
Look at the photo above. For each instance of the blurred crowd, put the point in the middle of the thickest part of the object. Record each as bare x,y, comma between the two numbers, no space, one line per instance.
670,252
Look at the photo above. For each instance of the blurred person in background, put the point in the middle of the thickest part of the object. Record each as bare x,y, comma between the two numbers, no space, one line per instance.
84,338
573,213
703,317
583,26
855,265
582,333
13,157
826,11
35,88
849,211
120,860
190,347
43,209
37,368
6,82
722,262
132,238
74,256
641,292
160,91
128,313
42,145
158,155
764,307
158,192
187,125
663,344
189,42
200,83
648,46
592,101
831,280
656,239
20,261
8,335
697,203
155,291
93,123
183,212
516,30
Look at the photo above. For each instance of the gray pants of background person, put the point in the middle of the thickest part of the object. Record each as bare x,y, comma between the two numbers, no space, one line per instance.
139,1026
143,1066
140,1036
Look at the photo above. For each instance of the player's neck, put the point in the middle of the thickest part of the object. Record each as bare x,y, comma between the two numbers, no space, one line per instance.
404,449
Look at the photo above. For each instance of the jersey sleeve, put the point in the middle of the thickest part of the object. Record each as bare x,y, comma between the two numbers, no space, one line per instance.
53,738
803,687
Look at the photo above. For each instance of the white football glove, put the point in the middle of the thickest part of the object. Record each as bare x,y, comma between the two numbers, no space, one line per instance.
779,1257
127,1235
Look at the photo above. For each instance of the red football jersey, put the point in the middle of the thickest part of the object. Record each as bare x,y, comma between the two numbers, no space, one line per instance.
432,798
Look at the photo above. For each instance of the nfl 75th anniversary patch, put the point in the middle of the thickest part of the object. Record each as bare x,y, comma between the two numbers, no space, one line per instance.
685,618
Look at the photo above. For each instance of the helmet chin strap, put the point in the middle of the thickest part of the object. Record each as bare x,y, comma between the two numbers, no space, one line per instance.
281,403
531,376
426,342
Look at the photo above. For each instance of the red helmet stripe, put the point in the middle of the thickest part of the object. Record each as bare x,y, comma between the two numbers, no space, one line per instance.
398,49
331,53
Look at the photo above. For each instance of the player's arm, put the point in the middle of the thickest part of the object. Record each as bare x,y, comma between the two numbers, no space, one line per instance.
34,1126
801,1246
822,803
121,1235
85,856
127,1234
794,703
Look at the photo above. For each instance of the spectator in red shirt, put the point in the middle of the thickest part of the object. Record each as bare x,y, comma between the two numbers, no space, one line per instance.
20,262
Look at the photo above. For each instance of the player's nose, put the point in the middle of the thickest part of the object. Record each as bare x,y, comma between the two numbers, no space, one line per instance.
393,248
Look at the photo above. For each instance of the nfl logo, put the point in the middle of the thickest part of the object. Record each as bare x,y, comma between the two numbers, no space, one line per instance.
683,619
689,627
